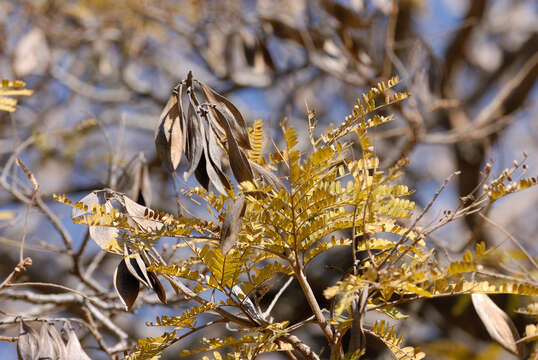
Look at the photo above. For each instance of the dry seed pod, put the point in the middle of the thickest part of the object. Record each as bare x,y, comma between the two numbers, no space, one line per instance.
168,135
27,346
193,145
73,347
498,324
157,287
137,213
135,182
247,304
136,266
237,124
231,226
127,286
58,343
238,160
48,348
267,177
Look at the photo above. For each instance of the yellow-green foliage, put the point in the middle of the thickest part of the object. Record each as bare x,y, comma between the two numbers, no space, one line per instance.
8,91
325,194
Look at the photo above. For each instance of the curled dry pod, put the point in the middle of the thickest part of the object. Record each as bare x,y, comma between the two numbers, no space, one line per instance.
73,347
157,287
136,266
137,213
27,346
127,286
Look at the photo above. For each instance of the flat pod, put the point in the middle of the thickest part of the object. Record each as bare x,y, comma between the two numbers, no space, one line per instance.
168,135
237,124
498,324
73,347
157,287
50,343
238,160
231,225
58,343
214,172
266,176
127,286
194,141
27,345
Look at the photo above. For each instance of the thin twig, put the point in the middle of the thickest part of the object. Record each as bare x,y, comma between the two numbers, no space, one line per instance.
267,312
511,237
412,227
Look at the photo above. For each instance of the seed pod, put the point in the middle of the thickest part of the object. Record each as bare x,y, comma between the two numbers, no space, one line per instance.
27,346
127,286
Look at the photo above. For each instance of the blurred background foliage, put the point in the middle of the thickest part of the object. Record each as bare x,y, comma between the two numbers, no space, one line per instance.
102,70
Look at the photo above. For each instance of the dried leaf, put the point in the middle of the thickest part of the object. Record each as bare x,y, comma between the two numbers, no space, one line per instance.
27,346
498,324
73,347
234,118
127,286
137,268
231,225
